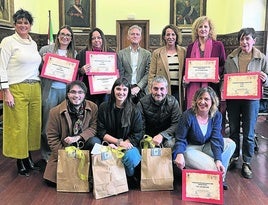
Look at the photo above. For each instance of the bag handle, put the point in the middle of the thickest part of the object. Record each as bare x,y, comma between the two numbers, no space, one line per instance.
147,142
119,151
75,152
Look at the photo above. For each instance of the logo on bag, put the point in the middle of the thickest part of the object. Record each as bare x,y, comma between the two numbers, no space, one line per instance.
156,152
106,156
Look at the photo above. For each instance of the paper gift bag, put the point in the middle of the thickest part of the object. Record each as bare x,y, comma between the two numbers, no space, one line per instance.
156,168
73,170
109,177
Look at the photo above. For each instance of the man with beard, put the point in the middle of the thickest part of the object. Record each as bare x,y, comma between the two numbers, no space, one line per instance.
73,122
160,112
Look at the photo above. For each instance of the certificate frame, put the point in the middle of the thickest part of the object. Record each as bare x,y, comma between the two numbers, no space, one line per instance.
59,68
202,70
242,86
197,185
101,84
102,63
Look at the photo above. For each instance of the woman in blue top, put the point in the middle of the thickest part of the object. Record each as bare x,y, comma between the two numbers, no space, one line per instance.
199,142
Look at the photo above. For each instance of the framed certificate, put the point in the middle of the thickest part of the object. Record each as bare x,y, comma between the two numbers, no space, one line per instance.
242,86
202,69
59,68
100,84
202,186
102,63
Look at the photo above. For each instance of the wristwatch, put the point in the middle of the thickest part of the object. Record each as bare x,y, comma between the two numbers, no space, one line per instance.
118,142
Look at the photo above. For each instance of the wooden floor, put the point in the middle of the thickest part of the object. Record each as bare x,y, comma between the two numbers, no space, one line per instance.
20,190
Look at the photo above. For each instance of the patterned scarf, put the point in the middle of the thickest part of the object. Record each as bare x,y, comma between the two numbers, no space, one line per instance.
76,116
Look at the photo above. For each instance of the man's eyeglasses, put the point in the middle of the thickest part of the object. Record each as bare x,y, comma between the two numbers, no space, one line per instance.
66,35
73,92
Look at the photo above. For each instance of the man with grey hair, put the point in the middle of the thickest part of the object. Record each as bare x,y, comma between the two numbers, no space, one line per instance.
134,62
160,113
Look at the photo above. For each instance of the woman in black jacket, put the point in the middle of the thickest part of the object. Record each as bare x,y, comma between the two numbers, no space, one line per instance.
120,124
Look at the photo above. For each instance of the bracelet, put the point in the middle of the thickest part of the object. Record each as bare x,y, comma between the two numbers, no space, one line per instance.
118,142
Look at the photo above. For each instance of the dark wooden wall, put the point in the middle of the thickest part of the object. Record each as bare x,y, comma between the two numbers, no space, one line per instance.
229,40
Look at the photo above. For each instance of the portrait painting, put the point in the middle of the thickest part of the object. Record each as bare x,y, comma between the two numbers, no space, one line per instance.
6,12
184,12
79,14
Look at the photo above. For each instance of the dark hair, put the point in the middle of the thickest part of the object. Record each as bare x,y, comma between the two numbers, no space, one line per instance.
127,105
214,100
70,47
118,82
176,31
245,32
73,83
20,14
104,44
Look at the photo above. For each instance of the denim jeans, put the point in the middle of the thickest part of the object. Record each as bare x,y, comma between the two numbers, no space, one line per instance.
243,113
55,97
201,156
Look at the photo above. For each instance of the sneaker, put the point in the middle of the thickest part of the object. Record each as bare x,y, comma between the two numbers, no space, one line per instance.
233,163
246,171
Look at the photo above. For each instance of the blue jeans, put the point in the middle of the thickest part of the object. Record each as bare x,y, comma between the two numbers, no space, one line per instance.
55,97
245,112
201,156
131,159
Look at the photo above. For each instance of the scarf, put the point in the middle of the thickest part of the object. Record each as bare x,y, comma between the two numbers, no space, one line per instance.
195,53
76,116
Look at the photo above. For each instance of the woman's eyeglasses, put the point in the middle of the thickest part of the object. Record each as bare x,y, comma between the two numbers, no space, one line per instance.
66,35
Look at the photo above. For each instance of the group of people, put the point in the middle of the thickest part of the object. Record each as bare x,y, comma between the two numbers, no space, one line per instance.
151,97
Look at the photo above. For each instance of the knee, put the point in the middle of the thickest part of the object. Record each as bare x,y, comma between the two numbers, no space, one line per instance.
132,157
89,144
229,144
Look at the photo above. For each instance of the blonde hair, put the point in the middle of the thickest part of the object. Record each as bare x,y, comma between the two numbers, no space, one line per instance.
200,20
214,100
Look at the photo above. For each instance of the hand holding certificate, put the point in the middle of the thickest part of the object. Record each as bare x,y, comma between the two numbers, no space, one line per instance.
101,62
202,70
59,68
103,71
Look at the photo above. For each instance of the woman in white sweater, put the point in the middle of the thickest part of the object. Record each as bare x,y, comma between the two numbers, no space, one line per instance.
19,63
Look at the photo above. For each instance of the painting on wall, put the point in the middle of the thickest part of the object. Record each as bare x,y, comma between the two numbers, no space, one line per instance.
184,12
6,12
79,14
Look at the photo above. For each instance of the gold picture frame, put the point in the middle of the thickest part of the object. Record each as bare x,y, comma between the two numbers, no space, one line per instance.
6,12
80,17
184,12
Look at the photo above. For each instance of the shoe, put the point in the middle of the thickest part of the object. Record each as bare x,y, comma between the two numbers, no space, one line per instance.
233,163
21,168
133,182
50,183
246,171
30,164
225,186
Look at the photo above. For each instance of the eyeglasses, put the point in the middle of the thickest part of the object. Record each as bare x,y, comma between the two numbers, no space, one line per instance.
66,35
73,92
96,38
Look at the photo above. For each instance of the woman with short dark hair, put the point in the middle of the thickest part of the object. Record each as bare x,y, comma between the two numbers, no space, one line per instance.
20,82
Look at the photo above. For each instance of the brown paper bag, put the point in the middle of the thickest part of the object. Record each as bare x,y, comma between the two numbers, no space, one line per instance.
109,177
156,169
73,170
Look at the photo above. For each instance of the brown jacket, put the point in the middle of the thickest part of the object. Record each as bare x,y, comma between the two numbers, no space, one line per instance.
159,66
60,126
